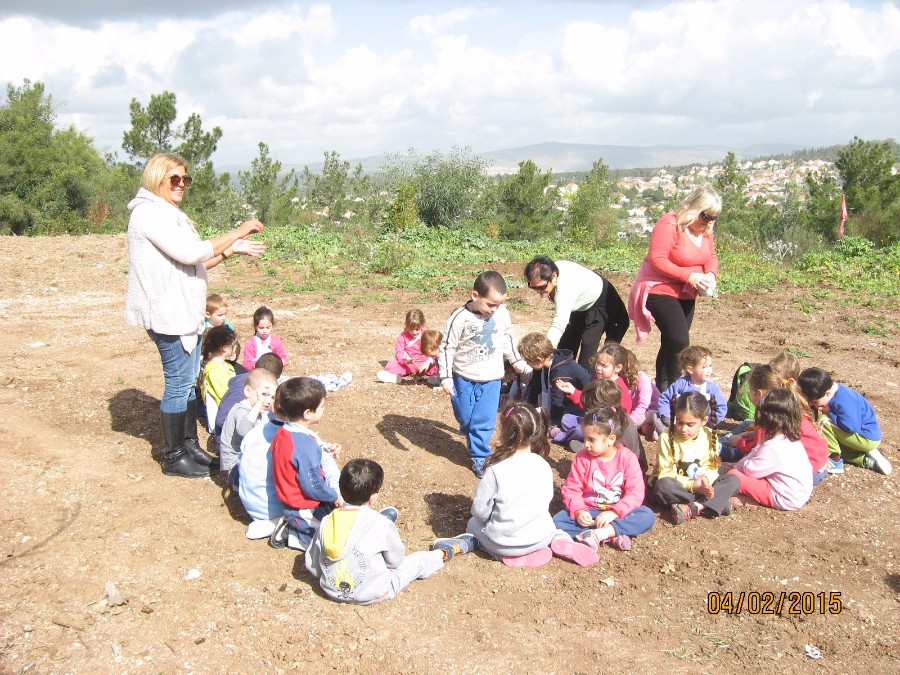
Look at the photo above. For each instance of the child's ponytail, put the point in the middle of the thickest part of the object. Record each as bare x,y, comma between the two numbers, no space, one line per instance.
521,424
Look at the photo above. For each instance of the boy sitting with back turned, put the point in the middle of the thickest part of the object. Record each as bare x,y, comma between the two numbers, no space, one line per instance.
303,468
357,554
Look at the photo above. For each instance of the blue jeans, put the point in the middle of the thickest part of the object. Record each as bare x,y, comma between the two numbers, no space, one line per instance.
475,408
637,522
180,370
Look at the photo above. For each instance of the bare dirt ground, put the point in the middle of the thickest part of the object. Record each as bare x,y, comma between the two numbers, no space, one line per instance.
87,504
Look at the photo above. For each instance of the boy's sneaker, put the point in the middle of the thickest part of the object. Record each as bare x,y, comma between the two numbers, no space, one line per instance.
478,468
875,461
387,378
390,513
279,536
464,543
728,510
835,465
294,542
576,446
683,512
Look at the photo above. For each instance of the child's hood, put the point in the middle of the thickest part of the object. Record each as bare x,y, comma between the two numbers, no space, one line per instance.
337,532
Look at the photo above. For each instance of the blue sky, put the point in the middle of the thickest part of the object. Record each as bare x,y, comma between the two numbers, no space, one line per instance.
364,78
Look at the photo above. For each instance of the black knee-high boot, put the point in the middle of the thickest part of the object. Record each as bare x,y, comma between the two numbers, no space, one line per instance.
176,460
191,442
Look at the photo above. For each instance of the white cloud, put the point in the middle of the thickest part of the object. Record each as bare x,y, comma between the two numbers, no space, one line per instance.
310,78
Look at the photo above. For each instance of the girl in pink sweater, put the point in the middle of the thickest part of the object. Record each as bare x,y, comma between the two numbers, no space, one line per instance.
777,472
415,352
604,492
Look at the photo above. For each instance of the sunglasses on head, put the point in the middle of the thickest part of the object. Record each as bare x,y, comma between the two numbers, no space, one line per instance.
706,218
176,181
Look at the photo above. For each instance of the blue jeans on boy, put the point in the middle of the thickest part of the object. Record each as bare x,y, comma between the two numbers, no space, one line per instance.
180,370
475,408
637,522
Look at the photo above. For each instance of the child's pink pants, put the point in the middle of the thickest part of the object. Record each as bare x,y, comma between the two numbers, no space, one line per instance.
404,369
757,489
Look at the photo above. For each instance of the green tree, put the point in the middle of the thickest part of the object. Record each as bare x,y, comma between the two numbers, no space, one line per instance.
591,219
731,184
865,168
337,189
261,187
525,201
447,188
402,213
822,208
48,177
153,130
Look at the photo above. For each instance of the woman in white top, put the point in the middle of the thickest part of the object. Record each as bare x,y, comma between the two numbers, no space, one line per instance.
587,306
167,263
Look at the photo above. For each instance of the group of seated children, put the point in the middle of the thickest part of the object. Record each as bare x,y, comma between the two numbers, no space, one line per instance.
287,477
415,352
221,348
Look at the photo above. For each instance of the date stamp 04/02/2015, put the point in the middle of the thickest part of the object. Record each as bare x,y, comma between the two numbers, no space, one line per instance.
766,602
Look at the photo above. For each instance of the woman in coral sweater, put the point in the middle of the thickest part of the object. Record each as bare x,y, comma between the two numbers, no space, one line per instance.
681,264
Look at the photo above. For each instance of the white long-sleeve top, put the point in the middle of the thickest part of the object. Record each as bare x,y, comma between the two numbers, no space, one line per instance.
166,275
577,289
475,345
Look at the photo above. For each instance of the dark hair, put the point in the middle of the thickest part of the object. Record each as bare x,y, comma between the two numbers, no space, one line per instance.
540,268
814,383
779,413
602,393
489,281
360,479
297,395
521,424
272,362
691,356
263,313
607,420
766,378
621,357
215,340
699,406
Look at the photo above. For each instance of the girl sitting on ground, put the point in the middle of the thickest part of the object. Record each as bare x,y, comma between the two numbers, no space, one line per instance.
685,476
415,352
776,473
609,364
510,514
604,492
263,340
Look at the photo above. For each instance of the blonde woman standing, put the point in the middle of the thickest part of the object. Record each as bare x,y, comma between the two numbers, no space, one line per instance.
680,265
167,263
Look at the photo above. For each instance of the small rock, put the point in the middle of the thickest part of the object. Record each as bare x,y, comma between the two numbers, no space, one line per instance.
193,574
113,597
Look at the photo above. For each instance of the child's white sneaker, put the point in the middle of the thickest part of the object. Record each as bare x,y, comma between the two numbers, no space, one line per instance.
875,461
387,378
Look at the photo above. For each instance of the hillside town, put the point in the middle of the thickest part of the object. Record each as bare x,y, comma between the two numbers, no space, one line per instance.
767,180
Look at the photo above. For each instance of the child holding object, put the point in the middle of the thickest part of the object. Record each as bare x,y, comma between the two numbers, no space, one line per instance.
263,340
776,473
847,420
510,514
553,369
470,362
357,554
697,366
259,391
685,476
414,351
604,491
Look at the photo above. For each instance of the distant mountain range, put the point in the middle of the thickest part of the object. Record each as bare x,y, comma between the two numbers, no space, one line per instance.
564,157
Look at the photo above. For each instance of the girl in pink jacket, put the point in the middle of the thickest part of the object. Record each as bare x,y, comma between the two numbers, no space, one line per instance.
415,352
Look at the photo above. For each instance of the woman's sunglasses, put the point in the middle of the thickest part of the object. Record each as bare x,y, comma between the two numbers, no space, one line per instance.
707,218
541,288
176,181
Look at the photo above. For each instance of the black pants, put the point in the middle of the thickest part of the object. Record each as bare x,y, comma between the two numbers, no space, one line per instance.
668,491
673,318
607,315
